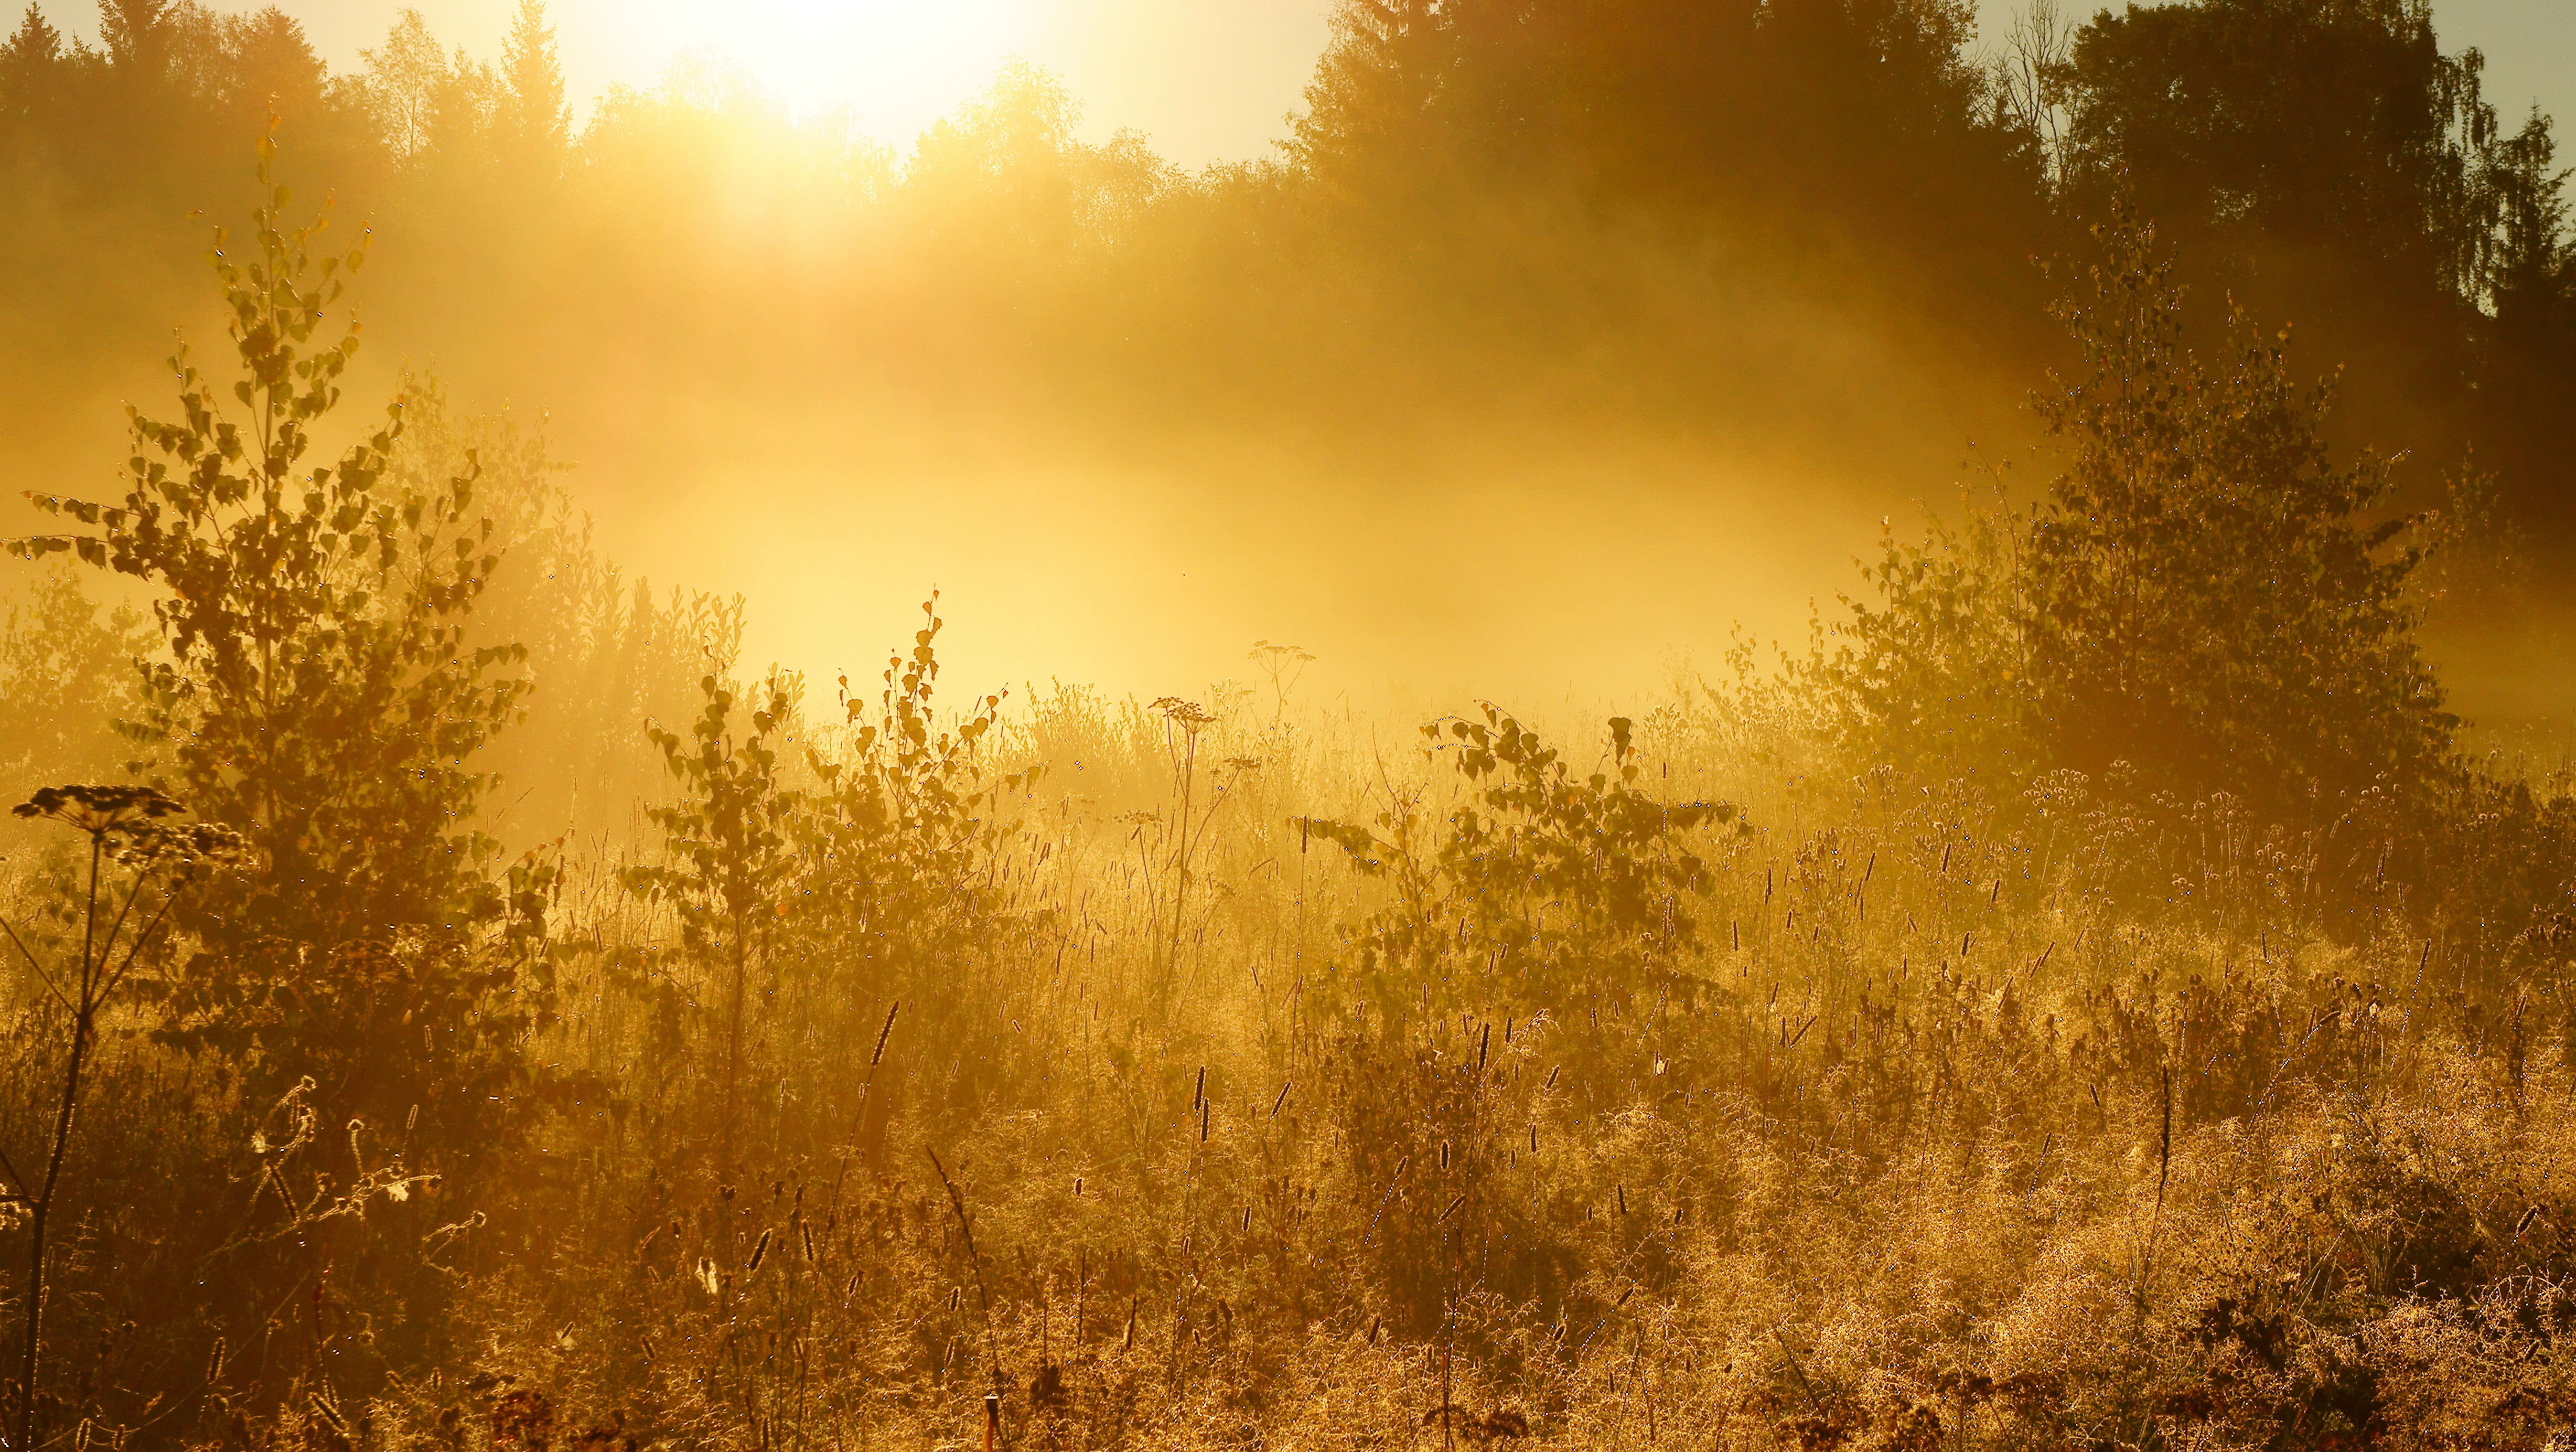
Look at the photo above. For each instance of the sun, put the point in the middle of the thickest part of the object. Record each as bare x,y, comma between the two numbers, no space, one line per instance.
897,65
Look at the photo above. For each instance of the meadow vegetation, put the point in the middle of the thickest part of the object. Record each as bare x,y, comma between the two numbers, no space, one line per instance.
452,998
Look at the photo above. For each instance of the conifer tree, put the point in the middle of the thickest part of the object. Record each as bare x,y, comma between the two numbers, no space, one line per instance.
1374,85
29,62
134,32
274,70
534,124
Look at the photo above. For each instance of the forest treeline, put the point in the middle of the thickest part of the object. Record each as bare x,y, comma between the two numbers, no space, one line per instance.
1483,204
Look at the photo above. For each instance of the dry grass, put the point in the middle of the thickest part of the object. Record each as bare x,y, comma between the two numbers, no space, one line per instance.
1940,1136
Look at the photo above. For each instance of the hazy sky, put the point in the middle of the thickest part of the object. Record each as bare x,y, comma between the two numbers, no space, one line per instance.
1206,79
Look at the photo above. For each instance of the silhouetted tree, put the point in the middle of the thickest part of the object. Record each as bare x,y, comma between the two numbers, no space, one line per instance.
2206,602
134,32
272,70
1371,100
533,125
1857,120
2526,415
2211,599
316,695
31,64
2312,123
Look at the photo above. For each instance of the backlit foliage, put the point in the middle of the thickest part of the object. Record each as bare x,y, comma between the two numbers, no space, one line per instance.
1544,888
2204,598
2091,1001
317,693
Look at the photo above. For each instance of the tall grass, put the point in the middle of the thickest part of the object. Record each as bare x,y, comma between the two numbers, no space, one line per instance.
1956,1122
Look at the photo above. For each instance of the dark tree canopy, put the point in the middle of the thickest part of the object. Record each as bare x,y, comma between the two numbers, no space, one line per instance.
1458,167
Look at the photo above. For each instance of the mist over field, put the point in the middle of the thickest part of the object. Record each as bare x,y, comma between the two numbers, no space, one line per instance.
1782,723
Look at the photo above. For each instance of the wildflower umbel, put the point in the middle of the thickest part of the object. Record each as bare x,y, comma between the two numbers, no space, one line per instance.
131,824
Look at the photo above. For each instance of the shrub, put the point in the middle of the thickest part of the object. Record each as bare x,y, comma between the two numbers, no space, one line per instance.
2204,595
1543,890
318,695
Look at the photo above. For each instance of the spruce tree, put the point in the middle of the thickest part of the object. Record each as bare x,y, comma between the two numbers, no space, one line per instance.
134,32
534,124
30,61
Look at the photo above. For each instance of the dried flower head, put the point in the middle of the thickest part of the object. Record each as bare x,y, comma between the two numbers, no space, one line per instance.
97,809
132,822
1189,714
145,845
